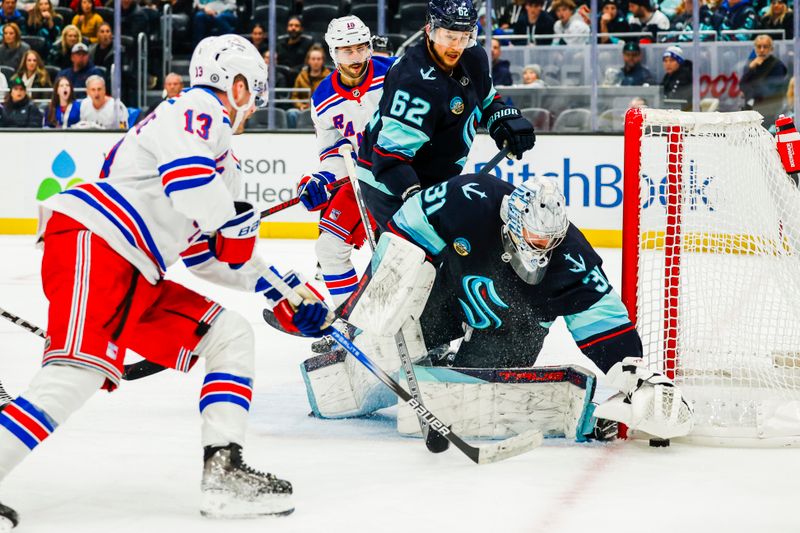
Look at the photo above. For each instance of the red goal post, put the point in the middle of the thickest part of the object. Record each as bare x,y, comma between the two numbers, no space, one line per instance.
711,269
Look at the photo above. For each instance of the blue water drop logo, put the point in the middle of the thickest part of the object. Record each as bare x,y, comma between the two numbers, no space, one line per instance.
63,165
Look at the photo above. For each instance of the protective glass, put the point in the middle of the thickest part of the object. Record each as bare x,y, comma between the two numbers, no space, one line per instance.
350,55
452,38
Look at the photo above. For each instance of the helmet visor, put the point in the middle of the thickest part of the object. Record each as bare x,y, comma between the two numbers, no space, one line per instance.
353,54
453,38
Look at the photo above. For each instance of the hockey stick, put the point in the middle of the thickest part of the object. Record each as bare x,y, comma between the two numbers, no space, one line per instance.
435,442
296,200
488,453
493,162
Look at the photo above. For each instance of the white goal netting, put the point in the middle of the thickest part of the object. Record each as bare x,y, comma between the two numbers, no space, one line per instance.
717,281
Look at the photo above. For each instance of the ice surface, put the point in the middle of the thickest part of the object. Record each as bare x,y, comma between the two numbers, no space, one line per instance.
131,461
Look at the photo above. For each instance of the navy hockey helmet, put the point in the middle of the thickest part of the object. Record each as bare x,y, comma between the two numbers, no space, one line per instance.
456,15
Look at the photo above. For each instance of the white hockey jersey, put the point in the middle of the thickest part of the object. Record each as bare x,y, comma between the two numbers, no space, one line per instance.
163,188
341,113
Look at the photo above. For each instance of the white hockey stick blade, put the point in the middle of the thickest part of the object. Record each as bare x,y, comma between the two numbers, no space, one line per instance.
525,442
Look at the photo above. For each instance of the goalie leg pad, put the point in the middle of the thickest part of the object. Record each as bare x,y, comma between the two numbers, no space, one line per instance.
339,386
501,403
648,401
396,286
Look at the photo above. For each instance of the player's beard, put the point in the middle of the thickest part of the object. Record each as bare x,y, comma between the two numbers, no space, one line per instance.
446,62
351,78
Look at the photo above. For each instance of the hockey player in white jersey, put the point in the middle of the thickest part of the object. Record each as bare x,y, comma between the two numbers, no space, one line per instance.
167,192
342,106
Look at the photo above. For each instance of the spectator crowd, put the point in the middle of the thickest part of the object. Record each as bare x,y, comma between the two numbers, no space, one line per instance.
58,53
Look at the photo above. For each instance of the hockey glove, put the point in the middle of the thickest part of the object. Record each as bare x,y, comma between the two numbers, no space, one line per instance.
305,318
507,125
312,191
235,241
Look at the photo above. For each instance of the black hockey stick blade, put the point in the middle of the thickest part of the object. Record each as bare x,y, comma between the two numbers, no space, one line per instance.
269,318
141,369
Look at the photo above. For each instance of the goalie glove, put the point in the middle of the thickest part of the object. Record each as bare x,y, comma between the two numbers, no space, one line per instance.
648,401
309,318
508,126
235,241
312,190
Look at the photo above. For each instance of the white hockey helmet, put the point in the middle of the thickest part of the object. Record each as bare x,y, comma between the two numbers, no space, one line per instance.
347,31
217,61
535,218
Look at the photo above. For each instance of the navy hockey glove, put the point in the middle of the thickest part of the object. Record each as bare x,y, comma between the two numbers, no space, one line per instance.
235,241
507,125
310,318
312,191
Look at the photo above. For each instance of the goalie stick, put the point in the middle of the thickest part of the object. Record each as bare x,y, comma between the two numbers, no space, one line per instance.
487,453
434,442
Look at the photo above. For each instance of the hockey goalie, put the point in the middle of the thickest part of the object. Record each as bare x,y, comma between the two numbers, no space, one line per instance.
477,261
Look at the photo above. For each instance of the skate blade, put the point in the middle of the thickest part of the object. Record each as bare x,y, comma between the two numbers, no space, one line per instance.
223,505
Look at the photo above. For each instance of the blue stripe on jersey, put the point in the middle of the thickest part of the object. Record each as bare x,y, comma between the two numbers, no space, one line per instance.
197,259
604,315
186,161
36,413
400,138
340,142
109,190
412,220
489,98
221,376
336,277
182,185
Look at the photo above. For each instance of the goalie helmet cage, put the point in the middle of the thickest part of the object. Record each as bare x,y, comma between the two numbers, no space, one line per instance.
711,269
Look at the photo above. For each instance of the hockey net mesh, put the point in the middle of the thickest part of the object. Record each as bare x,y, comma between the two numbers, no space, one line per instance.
719,270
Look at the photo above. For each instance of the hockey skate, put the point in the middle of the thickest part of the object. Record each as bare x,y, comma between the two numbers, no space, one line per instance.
8,518
232,489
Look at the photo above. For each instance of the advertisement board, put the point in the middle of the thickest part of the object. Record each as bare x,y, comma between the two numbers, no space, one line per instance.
39,164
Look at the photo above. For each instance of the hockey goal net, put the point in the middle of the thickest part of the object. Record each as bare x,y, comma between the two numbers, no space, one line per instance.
711,269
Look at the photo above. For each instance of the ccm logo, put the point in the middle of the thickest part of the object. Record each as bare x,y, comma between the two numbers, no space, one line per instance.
426,415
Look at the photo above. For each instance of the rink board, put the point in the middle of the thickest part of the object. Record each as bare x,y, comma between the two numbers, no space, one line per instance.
588,168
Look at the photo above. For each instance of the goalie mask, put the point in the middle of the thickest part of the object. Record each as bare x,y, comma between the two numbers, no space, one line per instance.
535,223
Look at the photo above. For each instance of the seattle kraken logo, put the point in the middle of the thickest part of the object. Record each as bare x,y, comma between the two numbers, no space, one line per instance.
479,315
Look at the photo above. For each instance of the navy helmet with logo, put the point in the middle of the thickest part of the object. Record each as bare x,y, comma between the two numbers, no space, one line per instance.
457,15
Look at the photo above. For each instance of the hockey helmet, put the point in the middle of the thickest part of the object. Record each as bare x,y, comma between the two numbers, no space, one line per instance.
535,223
452,22
217,61
348,31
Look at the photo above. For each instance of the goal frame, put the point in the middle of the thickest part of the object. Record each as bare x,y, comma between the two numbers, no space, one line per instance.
635,127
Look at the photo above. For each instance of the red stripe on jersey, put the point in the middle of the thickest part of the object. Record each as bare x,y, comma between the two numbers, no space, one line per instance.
27,421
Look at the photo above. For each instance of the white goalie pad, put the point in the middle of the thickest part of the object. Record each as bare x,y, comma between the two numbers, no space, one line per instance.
339,386
400,280
501,403
648,401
